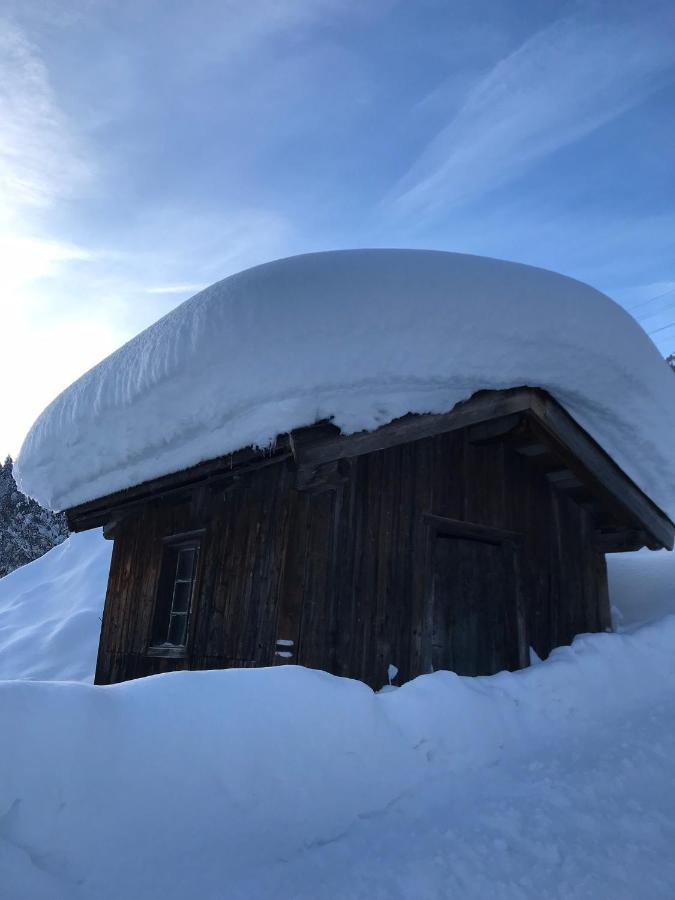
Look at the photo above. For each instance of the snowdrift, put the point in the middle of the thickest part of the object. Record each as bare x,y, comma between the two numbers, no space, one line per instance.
50,612
641,587
361,337
245,783
558,780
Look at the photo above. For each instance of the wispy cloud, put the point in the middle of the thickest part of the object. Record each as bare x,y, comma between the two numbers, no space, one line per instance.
174,289
39,157
40,163
564,82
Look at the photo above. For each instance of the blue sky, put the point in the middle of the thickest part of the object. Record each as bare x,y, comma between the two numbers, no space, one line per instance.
149,148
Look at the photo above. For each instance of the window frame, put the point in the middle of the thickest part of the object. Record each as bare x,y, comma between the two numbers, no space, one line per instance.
166,584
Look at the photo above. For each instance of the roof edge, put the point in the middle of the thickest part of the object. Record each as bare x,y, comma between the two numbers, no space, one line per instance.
322,443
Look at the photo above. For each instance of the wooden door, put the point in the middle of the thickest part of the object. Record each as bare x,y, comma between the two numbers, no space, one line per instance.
474,605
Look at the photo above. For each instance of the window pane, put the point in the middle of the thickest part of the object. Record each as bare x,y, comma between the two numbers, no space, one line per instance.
181,596
184,568
174,594
178,629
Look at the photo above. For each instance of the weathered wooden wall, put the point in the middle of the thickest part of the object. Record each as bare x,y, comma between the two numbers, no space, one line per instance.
347,572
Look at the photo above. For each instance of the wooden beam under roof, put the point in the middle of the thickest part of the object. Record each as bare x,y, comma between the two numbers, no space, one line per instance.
490,415
584,460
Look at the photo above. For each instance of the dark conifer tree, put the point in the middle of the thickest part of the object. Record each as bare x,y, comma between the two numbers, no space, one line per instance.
27,530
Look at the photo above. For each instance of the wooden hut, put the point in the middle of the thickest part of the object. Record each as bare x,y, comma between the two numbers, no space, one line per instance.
469,527
453,541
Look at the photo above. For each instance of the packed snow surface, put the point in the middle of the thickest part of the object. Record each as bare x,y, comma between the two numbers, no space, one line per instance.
555,781
641,587
362,337
50,612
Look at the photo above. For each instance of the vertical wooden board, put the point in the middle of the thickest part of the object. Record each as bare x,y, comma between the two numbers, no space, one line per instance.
447,475
104,661
316,645
210,624
278,518
401,619
202,615
384,639
354,604
544,592
349,553
583,604
368,498
422,494
293,582
238,632
250,533
484,501
236,565
474,608
526,511
569,618
118,604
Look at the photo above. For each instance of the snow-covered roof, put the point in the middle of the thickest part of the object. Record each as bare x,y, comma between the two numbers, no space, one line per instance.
362,337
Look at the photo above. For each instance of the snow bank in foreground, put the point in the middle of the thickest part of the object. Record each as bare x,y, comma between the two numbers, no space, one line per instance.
50,612
361,336
292,783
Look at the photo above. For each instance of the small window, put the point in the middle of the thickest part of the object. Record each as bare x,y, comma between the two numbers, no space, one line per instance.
174,597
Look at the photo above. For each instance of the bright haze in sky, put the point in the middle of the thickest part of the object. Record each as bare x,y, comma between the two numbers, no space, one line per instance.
148,149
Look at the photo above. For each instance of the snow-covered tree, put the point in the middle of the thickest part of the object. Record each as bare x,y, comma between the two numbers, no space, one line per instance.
27,530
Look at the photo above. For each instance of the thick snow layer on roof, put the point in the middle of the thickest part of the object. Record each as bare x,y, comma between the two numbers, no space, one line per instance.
363,337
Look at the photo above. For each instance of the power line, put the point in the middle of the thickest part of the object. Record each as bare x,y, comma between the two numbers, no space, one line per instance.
651,300
662,328
658,312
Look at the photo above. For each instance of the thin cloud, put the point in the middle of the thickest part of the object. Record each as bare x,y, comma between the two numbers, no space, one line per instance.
563,83
39,159
174,289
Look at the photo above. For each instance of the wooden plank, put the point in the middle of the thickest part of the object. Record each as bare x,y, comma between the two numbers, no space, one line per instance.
292,592
623,541
97,512
532,449
316,445
564,480
522,647
586,458
472,531
494,429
